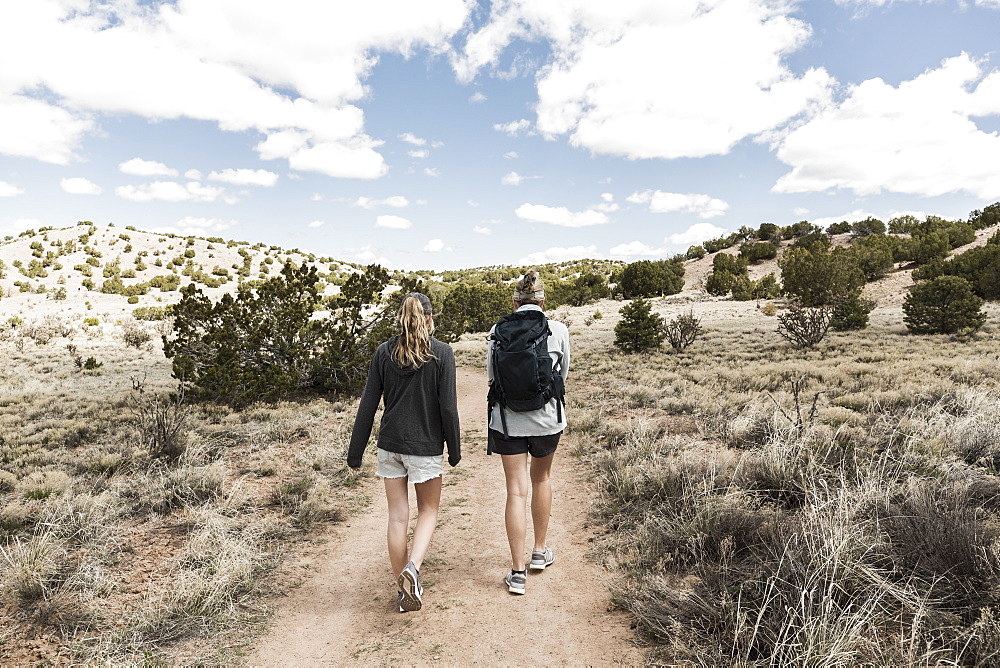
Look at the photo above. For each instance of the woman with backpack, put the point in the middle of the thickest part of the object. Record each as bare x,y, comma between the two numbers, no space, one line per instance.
527,362
414,375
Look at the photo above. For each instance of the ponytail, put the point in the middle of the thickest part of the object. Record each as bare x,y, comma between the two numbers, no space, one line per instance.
413,346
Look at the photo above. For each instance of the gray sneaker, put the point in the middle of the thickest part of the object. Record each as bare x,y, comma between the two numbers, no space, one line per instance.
541,558
409,586
399,600
515,582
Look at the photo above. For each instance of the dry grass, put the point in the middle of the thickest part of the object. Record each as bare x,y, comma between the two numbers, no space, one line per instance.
772,506
112,553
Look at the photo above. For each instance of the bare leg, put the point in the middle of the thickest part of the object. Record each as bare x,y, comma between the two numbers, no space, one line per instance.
515,469
541,498
399,522
428,503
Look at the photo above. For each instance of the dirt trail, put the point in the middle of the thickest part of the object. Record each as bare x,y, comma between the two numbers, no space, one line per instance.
345,613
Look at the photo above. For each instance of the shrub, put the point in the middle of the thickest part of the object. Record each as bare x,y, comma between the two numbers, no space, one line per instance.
817,277
758,251
804,326
647,278
472,307
695,252
843,227
91,322
767,232
264,343
151,312
159,421
869,225
683,330
851,313
639,329
944,305
134,335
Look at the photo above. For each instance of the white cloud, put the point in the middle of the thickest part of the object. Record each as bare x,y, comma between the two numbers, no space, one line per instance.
316,197
661,202
411,138
396,201
10,190
607,197
629,79
800,211
22,224
513,128
633,249
317,223
140,167
432,171
418,154
607,207
193,175
918,138
851,217
479,229
367,255
195,226
170,191
695,235
79,186
393,223
44,132
512,179
239,65
510,155
477,97
540,213
559,254
245,177
436,246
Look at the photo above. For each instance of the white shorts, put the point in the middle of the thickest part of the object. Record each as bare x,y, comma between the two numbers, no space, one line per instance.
419,468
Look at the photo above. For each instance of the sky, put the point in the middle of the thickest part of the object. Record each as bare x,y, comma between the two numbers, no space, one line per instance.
447,134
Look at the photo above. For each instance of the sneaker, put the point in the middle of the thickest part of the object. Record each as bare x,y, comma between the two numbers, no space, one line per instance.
515,582
399,600
410,587
541,558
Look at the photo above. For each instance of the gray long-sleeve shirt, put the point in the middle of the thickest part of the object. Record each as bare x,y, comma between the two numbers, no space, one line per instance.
421,406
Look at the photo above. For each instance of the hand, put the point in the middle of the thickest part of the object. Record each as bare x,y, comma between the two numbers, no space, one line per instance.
454,461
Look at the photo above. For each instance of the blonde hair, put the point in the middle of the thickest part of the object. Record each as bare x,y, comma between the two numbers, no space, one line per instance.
413,347
529,289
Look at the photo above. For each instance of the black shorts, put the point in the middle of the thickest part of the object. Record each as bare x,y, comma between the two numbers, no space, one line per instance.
536,446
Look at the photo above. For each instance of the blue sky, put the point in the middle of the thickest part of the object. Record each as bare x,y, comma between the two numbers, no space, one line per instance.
449,133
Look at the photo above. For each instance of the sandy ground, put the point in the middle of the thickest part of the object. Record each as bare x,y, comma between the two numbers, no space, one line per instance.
346,612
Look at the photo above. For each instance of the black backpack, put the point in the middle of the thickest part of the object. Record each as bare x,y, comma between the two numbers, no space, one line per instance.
523,375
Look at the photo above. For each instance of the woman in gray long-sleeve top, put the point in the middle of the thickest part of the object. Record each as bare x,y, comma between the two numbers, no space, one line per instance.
414,374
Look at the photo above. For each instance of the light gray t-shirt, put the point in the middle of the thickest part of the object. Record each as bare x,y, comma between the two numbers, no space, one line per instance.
542,422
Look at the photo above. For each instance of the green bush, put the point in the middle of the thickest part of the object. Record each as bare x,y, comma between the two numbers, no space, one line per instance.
843,227
472,307
639,329
759,251
695,252
868,226
647,278
944,305
264,343
851,313
818,277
